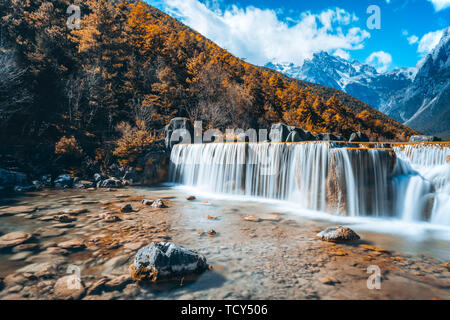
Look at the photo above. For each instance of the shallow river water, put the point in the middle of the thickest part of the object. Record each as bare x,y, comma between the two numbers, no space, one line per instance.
276,258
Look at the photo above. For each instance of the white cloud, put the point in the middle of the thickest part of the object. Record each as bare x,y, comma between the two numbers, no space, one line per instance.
440,4
413,39
429,41
342,54
380,60
260,36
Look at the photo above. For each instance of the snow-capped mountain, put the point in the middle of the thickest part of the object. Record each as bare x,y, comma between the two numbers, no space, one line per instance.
425,105
414,96
359,80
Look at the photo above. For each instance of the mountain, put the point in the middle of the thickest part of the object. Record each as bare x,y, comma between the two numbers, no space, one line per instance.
425,104
132,67
417,97
359,80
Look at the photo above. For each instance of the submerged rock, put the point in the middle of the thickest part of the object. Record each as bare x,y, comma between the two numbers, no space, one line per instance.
64,218
69,288
14,239
338,234
165,261
74,244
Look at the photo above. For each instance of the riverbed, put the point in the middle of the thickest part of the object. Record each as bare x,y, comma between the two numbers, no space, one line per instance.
260,250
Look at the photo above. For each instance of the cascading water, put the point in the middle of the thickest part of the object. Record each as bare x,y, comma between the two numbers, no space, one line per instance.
408,182
423,183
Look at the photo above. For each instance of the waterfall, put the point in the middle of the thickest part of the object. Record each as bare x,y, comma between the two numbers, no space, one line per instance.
408,182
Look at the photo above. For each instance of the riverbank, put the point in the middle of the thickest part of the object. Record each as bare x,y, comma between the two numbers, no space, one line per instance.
275,256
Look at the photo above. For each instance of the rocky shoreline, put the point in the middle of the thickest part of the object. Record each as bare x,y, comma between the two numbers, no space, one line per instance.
50,236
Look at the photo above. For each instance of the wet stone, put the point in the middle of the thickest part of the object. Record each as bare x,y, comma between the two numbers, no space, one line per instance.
338,234
14,239
166,260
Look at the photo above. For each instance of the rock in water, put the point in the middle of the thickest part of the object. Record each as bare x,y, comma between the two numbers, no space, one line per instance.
146,202
127,208
338,234
159,204
69,288
14,239
165,261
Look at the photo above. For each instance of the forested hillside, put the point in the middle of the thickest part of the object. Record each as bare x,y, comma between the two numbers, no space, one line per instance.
130,68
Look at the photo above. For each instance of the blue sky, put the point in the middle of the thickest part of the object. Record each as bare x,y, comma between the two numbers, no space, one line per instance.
292,30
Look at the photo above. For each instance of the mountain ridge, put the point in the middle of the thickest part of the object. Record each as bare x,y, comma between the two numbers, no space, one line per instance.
398,93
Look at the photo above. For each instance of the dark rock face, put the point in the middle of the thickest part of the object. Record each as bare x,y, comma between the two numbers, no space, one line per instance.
179,130
338,234
328,137
417,139
359,137
63,181
11,179
164,261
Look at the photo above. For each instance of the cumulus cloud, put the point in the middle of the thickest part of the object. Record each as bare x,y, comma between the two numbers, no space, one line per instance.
429,41
440,4
260,36
380,60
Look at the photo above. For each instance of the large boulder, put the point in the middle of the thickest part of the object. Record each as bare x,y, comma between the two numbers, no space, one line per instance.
359,137
279,132
109,183
11,179
165,261
299,135
338,234
179,130
419,139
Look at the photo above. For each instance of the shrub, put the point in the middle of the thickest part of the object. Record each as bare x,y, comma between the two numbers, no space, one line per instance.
132,142
68,147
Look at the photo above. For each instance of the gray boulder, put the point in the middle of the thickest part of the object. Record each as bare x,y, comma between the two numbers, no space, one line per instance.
164,261
359,137
109,183
63,181
159,204
279,132
418,139
179,130
338,234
